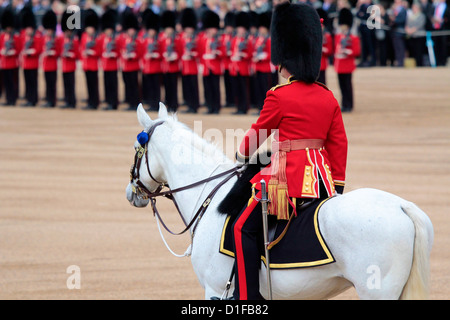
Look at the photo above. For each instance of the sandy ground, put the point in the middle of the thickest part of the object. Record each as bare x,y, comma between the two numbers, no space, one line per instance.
63,174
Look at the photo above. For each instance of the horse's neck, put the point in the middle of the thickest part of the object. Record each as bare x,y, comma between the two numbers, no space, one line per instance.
190,200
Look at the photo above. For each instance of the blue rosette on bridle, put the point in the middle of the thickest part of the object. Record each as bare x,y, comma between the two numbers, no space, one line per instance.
142,138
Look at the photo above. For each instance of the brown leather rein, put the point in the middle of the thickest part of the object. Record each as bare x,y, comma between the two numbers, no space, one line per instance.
142,192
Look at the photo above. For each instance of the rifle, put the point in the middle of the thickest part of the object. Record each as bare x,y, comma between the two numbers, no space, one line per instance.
68,46
131,46
153,46
30,41
111,45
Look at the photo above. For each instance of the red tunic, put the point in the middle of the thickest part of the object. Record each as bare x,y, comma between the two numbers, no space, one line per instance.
189,55
70,54
262,49
346,63
211,52
110,53
241,64
31,61
327,50
170,45
128,45
51,52
152,56
90,61
302,111
226,43
13,42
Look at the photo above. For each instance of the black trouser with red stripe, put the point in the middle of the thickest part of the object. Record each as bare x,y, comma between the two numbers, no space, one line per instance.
248,237
247,230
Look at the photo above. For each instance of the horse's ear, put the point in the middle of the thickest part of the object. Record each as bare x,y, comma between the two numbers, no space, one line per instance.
162,113
143,118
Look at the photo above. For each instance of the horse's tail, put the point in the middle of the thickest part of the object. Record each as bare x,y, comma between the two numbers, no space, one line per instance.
417,286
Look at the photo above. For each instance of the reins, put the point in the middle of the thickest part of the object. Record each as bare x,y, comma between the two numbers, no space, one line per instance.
198,215
147,194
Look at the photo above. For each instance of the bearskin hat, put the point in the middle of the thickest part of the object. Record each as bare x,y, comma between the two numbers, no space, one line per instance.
210,19
296,35
49,20
91,19
243,19
264,19
230,19
188,18
8,19
27,18
65,16
151,20
109,19
168,19
254,19
345,17
129,20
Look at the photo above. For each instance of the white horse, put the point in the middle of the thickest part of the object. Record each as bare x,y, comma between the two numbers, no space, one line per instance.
381,243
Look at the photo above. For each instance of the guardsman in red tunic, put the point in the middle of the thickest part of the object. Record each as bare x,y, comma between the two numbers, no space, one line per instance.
131,50
347,48
32,49
261,59
69,56
211,52
227,36
327,46
10,46
172,52
151,61
51,53
110,57
310,150
189,68
241,55
91,50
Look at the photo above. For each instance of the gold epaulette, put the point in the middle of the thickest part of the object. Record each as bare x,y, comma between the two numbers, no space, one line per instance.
283,84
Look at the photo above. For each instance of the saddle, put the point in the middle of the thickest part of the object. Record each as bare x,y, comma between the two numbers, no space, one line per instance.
294,243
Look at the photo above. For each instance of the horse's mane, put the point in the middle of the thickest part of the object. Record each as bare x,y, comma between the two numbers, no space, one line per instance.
190,137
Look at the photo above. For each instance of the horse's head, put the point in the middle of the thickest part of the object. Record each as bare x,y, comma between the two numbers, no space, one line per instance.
146,174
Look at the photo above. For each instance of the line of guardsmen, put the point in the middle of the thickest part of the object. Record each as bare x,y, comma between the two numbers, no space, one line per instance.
147,45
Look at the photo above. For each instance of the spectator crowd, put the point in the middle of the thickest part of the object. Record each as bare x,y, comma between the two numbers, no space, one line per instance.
224,46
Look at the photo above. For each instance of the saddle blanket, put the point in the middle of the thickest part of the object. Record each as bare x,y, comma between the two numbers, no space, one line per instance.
301,246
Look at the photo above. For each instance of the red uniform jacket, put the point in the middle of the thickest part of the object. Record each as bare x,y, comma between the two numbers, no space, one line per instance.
152,56
189,55
211,52
226,43
31,60
327,50
51,52
346,63
90,61
169,45
241,65
130,45
14,43
302,111
262,54
70,54
110,53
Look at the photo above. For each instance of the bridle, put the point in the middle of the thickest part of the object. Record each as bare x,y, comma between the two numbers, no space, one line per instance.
142,192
